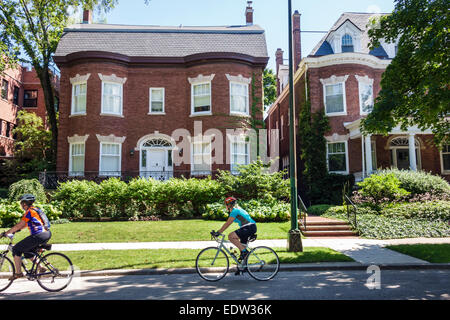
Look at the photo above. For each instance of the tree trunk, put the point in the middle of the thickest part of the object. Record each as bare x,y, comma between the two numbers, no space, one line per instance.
49,97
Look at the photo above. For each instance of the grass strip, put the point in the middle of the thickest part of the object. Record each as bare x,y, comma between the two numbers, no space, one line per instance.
434,253
182,258
150,231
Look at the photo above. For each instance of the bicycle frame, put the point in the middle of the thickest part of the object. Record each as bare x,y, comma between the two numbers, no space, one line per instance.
222,245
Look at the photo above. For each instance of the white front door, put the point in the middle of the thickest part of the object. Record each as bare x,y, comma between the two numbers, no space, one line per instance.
154,164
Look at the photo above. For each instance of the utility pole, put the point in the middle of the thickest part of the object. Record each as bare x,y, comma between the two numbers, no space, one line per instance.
294,241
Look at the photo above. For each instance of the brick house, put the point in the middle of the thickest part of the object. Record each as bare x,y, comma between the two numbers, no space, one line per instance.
157,101
20,90
342,76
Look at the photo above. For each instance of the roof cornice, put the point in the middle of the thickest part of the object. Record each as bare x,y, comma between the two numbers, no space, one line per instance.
347,58
100,56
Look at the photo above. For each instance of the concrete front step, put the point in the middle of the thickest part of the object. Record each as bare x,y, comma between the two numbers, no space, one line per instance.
334,233
326,223
326,228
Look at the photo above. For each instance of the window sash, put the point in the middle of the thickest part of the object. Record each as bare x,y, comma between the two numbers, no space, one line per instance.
79,98
337,157
239,97
334,98
239,154
201,97
446,158
110,158
4,93
112,98
366,97
201,156
156,100
77,156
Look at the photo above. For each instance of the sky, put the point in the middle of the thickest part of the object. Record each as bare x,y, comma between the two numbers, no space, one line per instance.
271,15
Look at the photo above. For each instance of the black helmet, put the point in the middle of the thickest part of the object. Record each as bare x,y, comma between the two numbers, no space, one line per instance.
28,197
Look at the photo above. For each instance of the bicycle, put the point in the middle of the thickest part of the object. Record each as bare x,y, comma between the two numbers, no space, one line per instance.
212,263
52,271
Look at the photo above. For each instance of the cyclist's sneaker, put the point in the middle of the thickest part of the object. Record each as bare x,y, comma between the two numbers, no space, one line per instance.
15,276
243,255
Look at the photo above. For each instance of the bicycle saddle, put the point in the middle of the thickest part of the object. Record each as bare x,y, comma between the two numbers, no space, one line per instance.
45,246
252,238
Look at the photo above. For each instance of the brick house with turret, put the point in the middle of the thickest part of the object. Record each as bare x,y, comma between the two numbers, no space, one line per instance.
133,99
342,77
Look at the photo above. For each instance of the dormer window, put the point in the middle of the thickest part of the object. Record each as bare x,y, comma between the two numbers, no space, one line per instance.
347,43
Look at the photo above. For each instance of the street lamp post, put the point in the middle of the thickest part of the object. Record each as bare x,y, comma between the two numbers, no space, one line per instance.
294,241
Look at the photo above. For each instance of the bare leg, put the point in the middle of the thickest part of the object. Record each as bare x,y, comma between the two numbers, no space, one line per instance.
233,237
18,264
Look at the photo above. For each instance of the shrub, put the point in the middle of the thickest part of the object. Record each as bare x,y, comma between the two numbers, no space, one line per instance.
379,188
260,211
33,186
77,199
432,211
419,182
319,209
11,212
329,189
254,182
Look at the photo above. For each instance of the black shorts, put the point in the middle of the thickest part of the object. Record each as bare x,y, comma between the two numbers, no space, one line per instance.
27,245
245,232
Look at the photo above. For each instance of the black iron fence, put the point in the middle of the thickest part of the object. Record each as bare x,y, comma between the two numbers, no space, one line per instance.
51,179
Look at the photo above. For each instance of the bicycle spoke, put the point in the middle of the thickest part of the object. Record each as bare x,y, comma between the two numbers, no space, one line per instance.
212,264
58,272
6,271
263,263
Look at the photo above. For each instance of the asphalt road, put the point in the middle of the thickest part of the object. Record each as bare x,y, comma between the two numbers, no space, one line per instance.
312,285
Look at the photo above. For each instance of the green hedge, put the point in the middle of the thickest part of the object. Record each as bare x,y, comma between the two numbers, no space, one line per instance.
11,212
33,186
260,211
140,197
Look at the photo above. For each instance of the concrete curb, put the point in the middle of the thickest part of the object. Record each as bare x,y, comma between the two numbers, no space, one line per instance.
283,268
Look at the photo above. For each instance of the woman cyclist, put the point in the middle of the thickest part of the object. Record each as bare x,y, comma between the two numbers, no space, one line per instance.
39,234
246,223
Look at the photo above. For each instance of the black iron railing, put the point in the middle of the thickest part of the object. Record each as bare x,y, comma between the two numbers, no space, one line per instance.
303,212
352,211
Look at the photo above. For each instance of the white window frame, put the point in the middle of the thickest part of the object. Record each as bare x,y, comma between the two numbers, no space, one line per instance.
237,140
242,81
346,171
361,82
71,171
72,110
193,172
333,80
112,79
199,80
443,170
108,173
76,81
150,111
346,42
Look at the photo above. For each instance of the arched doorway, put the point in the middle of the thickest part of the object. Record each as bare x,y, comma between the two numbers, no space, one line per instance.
399,147
156,158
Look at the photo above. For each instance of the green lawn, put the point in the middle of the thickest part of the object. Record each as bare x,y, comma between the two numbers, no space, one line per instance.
150,231
160,258
434,253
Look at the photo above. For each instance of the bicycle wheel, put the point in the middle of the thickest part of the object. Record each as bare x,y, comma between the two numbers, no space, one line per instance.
262,263
212,264
6,271
58,272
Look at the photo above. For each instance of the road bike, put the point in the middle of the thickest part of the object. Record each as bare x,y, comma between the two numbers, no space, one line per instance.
52,271
212,263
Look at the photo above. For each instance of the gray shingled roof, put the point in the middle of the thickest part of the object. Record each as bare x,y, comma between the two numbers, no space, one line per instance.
360,20
157,41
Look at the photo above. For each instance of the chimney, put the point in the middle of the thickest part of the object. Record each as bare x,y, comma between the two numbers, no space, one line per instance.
296,39
87,16
249,13
279,61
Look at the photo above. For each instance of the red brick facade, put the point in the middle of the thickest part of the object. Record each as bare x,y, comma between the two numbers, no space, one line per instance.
136,122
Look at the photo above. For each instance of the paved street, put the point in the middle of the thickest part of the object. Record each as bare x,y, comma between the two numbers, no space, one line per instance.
394,284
